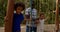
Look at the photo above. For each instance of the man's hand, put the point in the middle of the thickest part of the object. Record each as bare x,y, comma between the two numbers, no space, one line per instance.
28,19
37,22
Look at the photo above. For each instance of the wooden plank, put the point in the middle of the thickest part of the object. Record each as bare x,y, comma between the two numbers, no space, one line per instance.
9,16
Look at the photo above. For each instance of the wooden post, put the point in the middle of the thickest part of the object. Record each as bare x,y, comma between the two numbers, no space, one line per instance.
9,15
57,16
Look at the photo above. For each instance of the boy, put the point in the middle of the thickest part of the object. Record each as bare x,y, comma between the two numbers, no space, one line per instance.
18,16
30,26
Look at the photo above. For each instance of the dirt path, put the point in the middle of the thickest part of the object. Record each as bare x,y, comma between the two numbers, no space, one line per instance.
48,28
23,29
1,29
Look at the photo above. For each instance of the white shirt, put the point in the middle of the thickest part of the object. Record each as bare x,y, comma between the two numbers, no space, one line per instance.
32,13
40,26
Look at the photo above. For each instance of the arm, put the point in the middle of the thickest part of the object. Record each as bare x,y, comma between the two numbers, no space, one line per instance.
37,22
27,15
5,18
46,18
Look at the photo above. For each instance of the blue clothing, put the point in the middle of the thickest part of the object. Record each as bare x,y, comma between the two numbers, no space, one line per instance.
17,20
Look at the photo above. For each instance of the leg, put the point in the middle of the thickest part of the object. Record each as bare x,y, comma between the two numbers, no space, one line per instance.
18,31
42,30
31,29
35,29
27,29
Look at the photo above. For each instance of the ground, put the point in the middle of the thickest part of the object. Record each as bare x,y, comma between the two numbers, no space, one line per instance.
48,28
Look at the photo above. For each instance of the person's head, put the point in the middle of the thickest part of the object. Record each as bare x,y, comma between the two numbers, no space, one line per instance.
18,7
42,16
33,4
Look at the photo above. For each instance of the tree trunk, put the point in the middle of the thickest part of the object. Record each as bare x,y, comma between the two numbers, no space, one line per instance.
57,16
9,15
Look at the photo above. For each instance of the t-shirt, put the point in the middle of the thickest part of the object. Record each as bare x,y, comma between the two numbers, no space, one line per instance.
40,26
42,23
17,20
32,13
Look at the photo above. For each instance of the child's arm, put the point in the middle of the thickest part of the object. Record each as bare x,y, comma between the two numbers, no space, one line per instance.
5,18
46,18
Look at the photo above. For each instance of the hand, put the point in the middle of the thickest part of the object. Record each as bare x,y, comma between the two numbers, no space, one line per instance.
37,22
5,18
27,19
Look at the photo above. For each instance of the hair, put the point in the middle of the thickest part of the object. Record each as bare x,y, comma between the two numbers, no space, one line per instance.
33,4
19,4
41,13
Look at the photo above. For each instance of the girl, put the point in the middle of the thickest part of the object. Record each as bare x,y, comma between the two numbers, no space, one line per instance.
40,25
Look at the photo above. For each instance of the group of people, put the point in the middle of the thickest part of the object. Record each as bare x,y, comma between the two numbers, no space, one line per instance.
33,23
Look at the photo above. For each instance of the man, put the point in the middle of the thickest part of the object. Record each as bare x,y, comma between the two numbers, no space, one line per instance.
31,14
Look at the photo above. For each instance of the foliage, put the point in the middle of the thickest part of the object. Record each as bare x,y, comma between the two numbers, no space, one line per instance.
46,6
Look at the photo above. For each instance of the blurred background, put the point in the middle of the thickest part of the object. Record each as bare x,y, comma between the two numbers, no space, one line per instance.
46,6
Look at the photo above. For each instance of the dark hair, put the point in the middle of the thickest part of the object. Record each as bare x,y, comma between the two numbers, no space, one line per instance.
33,4
41,13
19,4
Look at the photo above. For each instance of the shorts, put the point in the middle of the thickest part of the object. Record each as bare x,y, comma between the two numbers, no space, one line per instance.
16,29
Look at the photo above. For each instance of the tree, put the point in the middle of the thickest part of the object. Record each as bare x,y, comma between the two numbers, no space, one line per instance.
46,6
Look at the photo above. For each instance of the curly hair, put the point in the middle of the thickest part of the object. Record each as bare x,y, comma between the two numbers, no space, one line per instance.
19,4
42,13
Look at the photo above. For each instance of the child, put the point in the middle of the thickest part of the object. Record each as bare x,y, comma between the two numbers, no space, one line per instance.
18,17
40,25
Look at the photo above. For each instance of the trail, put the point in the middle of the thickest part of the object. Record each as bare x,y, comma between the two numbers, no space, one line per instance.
47,28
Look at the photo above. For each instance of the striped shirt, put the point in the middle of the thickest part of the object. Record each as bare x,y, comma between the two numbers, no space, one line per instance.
33,15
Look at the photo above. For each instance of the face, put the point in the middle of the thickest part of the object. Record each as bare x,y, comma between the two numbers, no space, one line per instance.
42,17
19,9
32,6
